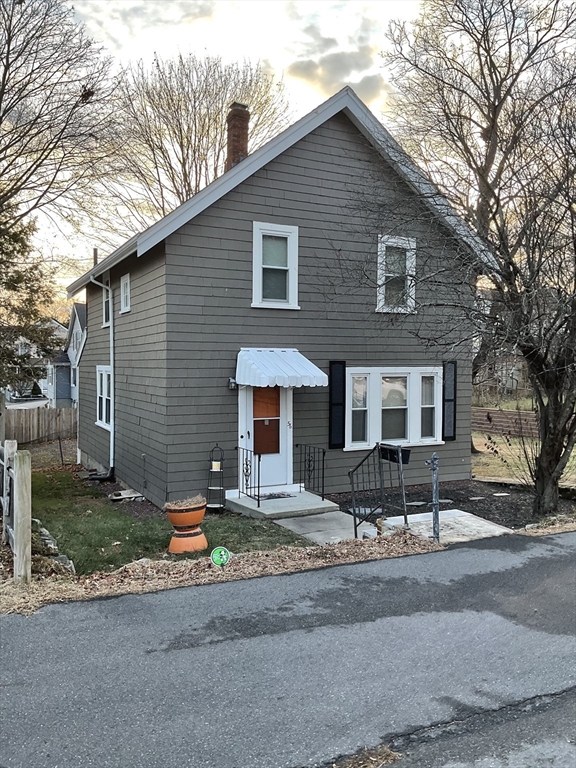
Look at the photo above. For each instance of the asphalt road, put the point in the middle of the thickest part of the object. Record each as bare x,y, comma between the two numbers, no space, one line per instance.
293,671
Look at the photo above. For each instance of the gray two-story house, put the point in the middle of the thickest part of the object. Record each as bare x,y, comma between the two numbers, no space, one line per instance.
281,306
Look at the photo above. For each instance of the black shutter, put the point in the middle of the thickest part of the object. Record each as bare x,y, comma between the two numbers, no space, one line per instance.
449,401
337,392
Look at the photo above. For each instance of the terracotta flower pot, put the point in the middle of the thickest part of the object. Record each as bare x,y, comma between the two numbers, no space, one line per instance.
187,534
187,516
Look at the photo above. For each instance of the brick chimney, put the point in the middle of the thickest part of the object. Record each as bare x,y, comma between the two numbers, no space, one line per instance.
238,119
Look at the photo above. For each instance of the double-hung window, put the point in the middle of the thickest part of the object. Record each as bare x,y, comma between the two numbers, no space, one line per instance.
393,405
125,294
103,396
275,266
396,290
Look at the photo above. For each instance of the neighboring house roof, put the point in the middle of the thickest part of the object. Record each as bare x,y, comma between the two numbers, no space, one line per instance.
79,310
60,358
344,101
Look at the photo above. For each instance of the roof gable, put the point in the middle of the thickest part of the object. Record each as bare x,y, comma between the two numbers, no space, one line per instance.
344,101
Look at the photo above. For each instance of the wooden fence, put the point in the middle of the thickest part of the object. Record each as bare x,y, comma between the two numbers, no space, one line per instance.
16,504
30,425
513,423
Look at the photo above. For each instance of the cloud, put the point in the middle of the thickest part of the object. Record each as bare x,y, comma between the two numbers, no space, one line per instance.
329,71
319,44
371,87
115,19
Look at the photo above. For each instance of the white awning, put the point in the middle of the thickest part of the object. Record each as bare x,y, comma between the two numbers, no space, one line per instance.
277,368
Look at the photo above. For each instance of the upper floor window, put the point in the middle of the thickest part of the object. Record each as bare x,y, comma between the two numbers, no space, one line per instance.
125,293
396,274
396,405
275,266
106,302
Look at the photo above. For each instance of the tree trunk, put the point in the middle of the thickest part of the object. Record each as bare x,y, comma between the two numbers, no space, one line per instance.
551,443
546,499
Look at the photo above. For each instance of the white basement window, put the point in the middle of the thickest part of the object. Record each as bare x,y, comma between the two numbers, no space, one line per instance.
275,266
103,396
125,294
396,290
393,405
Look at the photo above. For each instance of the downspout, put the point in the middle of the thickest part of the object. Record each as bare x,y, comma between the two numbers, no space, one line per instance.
112,394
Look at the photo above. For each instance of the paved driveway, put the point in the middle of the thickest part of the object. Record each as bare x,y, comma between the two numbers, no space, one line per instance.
289,671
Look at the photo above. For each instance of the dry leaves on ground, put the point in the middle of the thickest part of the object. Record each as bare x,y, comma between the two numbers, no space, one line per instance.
369,758
559,524
154,575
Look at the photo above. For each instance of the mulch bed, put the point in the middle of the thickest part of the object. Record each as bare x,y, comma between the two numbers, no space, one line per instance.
512,511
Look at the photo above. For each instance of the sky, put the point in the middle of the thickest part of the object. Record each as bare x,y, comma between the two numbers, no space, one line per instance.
316,46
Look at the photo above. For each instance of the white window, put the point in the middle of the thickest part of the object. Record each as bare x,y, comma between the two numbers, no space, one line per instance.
125,293
103,396
275,266
396,274
106,303
73,378
393,405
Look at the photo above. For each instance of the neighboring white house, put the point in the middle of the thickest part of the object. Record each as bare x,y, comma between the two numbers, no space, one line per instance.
75,345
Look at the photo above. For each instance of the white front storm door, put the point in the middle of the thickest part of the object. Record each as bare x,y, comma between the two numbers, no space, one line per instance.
265,427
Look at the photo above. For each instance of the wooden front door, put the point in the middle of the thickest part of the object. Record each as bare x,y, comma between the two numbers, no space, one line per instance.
265,426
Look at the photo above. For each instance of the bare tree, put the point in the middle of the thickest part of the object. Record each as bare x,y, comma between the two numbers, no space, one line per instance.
55,91
171,140
486,102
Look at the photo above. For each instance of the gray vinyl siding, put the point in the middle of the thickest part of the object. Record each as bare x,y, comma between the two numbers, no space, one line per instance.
316,185
139,378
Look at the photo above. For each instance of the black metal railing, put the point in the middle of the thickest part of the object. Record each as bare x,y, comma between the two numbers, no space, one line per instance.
368,483
249,473
310,464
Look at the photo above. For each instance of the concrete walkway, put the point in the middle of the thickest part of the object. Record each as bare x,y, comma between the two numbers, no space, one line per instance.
455,526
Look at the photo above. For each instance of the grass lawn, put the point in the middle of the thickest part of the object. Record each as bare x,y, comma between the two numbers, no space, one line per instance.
98,535
504,457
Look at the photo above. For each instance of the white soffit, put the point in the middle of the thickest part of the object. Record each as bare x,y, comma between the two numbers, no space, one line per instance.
277,368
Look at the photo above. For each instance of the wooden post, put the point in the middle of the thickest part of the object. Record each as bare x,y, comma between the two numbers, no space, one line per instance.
2,418
22,517
10,448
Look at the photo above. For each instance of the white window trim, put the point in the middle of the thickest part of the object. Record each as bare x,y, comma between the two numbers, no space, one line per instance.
409,244
374,402
276,230
104,370
106,297
124,305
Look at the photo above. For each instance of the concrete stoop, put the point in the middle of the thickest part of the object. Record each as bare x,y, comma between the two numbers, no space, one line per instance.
298,505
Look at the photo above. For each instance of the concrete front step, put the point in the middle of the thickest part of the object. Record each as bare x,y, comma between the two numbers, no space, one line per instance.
300,504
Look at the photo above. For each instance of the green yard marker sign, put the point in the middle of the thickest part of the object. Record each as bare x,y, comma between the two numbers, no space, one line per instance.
220,556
